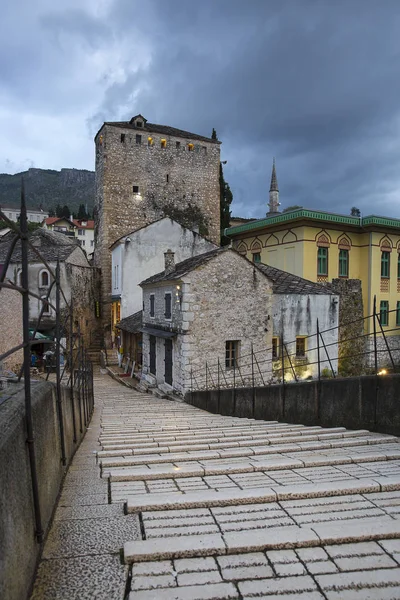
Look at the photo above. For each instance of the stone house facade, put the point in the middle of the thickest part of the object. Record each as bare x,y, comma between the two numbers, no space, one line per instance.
78,279
209,308
145,171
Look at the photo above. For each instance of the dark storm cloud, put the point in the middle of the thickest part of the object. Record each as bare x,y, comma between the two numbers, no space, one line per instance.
315,83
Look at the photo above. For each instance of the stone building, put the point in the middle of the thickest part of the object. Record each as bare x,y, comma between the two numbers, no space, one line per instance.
78,279
209,308
297,305
145,171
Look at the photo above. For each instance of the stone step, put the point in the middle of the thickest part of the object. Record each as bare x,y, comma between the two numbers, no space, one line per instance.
223,466
217,434
246,541
156,454
233,497
195,444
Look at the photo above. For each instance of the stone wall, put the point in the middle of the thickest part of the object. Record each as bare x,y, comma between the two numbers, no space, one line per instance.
352,345
224,299
85,289
384,359
19,549
367,402
171,181
11,327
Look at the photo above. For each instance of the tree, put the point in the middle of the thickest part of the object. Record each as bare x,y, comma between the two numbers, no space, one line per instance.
65,212
58,210
355,212
82,214
52,212
225,199
33,226
289,208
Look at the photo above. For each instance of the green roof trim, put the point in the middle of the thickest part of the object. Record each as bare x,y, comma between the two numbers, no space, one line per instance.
385,221
315,215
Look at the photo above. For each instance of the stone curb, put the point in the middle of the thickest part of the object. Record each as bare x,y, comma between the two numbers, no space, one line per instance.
211,498
252,541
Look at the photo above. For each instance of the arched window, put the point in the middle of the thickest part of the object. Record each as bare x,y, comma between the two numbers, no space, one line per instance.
323,244
19,278
44,278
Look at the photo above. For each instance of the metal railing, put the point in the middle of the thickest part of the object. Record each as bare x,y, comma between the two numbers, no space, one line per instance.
77,370
357,347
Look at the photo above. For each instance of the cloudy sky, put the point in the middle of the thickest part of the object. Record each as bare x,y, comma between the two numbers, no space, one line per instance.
315,83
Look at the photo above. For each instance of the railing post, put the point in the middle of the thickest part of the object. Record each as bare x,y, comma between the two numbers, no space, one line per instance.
283,377
27,364
84,395
252,379
79,381
219,389
58,373
375,341
283,360
252,365
318,353
234,386
71,366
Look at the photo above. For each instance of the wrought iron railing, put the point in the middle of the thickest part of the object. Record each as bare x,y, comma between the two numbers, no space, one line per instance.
357,347
77,370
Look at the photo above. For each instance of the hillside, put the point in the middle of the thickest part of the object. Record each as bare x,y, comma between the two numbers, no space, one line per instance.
46,188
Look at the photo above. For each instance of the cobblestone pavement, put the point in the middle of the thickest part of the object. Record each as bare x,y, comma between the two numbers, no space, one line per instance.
220,507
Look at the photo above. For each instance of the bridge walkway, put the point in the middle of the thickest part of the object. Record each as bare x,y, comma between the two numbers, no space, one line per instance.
203,506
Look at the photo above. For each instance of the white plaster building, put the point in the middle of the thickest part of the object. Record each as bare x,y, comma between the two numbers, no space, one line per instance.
297,305
140,254
33,215
209,308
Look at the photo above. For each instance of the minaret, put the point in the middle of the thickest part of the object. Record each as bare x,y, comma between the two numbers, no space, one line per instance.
273,203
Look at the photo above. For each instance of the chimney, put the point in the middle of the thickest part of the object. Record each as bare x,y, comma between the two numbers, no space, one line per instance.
169,261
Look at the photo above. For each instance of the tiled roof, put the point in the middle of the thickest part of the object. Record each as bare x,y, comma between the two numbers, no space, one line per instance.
163,129
79,224
185,267
131,324
50,244
287,283
52,220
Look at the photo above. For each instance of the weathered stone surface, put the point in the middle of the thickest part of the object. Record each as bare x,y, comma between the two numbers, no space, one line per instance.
169,181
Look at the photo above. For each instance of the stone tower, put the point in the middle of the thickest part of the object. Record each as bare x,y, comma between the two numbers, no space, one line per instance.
273,203
144,172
